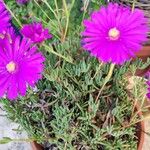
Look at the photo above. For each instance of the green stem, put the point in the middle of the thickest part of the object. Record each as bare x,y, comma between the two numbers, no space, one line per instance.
19,23
67,12
67,20
86,3
97,71
50,49
133,5
58,19
112,66
23,140
42,9
51,9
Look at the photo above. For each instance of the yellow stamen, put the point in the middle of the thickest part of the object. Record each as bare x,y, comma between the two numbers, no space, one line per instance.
114,33
11,66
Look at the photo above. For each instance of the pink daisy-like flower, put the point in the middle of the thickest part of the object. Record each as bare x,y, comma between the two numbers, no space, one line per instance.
115,33
36,32
20,66
4,17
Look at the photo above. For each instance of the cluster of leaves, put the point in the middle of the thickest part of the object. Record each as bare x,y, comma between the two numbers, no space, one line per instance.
63,111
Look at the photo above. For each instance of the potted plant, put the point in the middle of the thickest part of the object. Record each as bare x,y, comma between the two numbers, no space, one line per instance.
81,102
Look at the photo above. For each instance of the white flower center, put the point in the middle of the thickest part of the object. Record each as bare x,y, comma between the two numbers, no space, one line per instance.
114,33
11,67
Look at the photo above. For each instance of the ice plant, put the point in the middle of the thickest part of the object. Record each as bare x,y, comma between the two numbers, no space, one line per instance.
36,32
20,66
115,33
4,17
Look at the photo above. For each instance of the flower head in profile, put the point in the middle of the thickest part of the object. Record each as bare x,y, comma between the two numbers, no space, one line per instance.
36,32
20,66
4,17
22,1
115,33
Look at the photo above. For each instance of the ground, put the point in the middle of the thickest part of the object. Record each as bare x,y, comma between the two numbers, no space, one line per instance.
7,129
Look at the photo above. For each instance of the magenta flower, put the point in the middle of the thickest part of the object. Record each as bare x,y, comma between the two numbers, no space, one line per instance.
22,1
36,32
4,17
20,66
115,33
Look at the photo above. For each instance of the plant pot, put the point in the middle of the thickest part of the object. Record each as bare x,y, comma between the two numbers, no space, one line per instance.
144,53
36,146
142,72
140,130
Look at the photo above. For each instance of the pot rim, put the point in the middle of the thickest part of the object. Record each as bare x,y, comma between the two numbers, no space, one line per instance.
36,146
144,53
140,133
